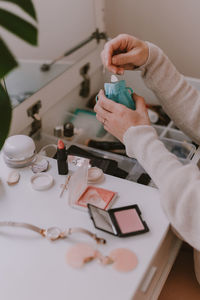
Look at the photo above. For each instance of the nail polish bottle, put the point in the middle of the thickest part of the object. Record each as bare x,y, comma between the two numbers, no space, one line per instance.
68,131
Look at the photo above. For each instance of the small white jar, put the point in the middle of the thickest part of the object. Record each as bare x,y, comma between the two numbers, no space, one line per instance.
19,151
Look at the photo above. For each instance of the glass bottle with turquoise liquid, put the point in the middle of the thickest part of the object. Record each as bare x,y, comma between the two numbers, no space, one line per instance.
119,92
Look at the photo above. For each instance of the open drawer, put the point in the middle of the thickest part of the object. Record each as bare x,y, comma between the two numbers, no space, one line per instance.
159,269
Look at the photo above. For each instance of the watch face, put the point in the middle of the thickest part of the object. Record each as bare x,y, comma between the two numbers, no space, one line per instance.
53,233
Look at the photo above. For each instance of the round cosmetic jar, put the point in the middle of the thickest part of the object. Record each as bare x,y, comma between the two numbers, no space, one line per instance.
19,151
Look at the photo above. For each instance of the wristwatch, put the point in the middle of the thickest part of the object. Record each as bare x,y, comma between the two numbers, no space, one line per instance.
54,233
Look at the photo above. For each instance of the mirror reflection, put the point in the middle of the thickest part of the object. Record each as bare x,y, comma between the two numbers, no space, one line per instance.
63,27
28,78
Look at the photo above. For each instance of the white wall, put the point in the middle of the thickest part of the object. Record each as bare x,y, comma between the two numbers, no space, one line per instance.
62,24
173,25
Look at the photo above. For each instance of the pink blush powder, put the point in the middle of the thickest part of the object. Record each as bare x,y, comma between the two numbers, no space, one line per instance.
79,254
124,260
96,196
128,220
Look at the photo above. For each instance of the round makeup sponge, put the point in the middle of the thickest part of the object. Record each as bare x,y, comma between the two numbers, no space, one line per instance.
80,254
95,174
124,260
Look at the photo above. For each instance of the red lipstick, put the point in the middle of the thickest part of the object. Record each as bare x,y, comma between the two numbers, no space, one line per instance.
62,158
60,145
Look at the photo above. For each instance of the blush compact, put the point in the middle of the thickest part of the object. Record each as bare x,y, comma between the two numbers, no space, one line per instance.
122,221
81,194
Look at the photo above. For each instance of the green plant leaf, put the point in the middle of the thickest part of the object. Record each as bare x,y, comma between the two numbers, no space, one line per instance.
26,5
5,115
18,26
7,61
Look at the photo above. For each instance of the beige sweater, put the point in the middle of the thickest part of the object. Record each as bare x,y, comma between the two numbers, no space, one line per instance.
179,184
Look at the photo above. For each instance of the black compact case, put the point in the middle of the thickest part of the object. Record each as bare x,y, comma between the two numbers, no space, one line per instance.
108,166
122,221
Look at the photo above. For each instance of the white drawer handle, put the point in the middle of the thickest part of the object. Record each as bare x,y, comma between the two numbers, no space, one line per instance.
148,279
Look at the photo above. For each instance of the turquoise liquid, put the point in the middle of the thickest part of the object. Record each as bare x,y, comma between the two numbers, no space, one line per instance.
118,92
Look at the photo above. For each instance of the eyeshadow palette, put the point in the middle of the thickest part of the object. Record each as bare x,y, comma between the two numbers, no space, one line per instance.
97,196
122,221
81,194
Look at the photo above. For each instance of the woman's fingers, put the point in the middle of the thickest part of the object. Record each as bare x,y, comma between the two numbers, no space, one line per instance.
106,103
141,108
107,62
102,112
99,118
122,59
139,102
110,106
118,44
127,67
123,51
106,57
117,118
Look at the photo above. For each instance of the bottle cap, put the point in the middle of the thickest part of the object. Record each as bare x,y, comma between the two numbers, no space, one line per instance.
68,129
114,78
58,131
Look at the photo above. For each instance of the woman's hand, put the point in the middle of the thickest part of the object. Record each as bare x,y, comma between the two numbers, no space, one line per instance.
124,52
117,118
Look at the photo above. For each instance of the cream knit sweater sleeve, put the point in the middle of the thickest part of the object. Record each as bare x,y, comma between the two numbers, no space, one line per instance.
179,99
179,184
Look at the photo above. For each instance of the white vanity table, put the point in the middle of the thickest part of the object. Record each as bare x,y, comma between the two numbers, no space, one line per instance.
33,267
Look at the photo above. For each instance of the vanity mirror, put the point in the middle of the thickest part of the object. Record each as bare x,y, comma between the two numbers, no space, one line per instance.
67,32
71,36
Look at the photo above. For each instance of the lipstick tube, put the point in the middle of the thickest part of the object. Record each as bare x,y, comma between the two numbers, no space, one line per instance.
62,158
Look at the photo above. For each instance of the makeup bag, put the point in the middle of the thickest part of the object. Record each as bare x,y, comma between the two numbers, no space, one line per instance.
118,92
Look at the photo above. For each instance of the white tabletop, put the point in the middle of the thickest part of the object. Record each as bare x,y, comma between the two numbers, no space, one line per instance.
35,268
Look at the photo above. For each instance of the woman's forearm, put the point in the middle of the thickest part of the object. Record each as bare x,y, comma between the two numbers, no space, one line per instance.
179,184
179,99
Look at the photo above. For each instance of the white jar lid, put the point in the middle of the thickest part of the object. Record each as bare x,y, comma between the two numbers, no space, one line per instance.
41,181
19,147
95,174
